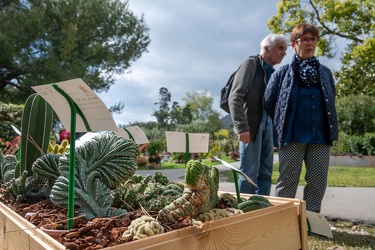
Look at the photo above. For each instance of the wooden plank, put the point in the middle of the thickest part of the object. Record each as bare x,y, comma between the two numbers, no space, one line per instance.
18,234
276,227
303,223
282,226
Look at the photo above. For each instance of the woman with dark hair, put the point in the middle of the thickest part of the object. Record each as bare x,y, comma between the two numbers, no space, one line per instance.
300,98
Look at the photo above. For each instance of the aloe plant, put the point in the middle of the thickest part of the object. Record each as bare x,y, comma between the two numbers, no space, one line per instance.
102,164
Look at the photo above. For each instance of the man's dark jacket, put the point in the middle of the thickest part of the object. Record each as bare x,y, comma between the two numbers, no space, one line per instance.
247,95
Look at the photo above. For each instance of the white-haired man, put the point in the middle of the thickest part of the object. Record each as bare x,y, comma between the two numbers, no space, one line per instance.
251,122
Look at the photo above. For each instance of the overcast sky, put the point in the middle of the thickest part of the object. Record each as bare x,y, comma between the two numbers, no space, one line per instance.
195,46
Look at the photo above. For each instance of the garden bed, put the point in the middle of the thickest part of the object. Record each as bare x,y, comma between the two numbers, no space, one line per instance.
282,226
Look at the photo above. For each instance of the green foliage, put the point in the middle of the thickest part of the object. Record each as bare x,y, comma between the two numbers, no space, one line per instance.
65,39
349,22
162,114
155,147
9,114
201,107
179,156
215,151
356,114
363,144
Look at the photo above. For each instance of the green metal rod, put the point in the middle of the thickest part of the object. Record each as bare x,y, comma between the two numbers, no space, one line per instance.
187,149
130,135
74,110
235,176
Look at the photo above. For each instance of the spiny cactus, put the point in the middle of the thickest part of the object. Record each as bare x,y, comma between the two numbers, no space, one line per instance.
228,200
7,168
102,164
146,192
254,203
200,193
36,128
25,189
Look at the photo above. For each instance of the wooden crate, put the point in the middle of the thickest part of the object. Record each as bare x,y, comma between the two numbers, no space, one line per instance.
282,226
18,234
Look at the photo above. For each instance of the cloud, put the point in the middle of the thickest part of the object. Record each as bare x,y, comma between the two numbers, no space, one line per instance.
195,46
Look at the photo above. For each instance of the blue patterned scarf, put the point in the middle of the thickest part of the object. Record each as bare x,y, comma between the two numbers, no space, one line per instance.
308,70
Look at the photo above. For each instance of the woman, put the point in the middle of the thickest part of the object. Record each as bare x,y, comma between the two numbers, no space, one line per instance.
300,98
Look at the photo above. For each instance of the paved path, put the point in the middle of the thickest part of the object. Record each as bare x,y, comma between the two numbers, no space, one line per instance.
357,204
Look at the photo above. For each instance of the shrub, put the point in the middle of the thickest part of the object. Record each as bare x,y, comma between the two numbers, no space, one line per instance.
355,144
141,161
356,114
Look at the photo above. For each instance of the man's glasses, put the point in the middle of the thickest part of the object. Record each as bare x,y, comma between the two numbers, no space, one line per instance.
306,40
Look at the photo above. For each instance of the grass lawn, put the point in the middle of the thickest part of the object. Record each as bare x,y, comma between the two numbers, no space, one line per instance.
337,176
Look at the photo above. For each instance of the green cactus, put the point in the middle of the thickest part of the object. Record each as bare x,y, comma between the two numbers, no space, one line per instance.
8,165
146,192
46,166
251,205
25,189
102,164
199,196
36,129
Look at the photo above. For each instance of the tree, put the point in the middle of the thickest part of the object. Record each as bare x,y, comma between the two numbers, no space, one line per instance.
201,109
180,115
346,21
47,41
162,114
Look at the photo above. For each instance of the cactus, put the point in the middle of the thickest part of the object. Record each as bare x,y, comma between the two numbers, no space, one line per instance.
102,164
216,214
58,149
7,168
253,204
147,192
25,189
143,227
36,129
46,166
200,193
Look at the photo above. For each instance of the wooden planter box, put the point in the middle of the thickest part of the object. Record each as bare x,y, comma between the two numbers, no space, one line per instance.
282,226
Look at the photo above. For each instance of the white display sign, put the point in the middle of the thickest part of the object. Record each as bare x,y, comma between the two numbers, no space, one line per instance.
318,224
94,110
136,132
176,142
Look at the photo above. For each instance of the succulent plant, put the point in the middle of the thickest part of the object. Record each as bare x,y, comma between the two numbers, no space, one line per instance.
36,128
7,167
102,164
147,192
199,196
143,227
